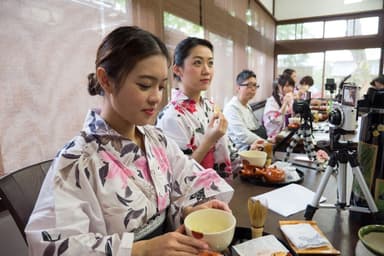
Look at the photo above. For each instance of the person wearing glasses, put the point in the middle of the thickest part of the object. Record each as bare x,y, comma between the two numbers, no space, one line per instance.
244,129
278,107
189,118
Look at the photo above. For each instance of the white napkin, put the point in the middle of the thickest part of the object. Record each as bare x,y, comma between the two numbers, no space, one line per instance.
261,246
304,236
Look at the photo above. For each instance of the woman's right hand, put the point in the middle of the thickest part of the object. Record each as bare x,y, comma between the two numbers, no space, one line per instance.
216,128
257,145
172,243
288,98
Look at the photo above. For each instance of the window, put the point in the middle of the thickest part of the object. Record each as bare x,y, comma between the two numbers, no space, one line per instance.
186,27
362,65
366,26
333,29
309,64
311,30
286,32
258,62
221,89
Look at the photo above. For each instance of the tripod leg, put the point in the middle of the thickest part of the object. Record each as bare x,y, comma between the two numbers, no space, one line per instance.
310,149
314,205
292,145
342,185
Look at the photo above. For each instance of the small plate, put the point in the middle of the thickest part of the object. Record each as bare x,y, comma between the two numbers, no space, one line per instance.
258,180
372,237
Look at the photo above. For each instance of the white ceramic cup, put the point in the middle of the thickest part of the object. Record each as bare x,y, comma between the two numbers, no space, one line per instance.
254,157
214,226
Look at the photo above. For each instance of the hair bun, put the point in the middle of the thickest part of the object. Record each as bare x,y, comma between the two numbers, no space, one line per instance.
94,87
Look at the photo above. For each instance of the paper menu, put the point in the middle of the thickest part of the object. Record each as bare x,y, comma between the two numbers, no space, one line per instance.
289,199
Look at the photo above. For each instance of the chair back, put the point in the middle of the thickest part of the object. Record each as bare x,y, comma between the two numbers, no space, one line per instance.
19,191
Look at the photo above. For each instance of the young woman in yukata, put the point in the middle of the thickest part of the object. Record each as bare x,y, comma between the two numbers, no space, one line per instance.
278,107
121,187
190,118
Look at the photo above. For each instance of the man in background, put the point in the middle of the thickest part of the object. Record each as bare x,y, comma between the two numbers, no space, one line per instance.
244,129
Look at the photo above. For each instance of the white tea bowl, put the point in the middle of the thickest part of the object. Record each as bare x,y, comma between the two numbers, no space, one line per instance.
214,226
254,157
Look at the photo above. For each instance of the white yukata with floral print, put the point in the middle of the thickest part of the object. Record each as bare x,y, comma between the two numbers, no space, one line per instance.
185,121
273,120
102,188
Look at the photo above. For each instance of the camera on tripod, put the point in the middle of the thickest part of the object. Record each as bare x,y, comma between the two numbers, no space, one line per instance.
330,85
344,114
302,106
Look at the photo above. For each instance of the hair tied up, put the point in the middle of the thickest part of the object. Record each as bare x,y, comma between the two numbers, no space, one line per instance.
94,87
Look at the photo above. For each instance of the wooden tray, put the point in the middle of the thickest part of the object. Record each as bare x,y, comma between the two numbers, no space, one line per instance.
330,250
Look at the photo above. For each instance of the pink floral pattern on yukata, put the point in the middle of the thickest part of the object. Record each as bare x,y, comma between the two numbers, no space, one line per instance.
142,165
116,168
161,158
205,179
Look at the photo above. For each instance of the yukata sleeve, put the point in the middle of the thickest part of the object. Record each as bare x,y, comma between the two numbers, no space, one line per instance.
192,184
176,128
68,220
237,128
272,118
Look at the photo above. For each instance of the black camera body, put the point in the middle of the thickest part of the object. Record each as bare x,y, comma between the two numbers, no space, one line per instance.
302,106
330,85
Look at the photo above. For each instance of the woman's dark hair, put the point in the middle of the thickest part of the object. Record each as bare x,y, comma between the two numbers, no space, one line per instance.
244,75
307,80
282,80
120,51
288,71
183,50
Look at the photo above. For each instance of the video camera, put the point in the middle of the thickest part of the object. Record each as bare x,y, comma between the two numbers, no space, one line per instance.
330,85
344,113
302,106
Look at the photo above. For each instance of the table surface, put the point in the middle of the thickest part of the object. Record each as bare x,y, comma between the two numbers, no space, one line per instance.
340,226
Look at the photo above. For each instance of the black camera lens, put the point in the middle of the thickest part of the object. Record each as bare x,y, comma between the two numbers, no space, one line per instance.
335,117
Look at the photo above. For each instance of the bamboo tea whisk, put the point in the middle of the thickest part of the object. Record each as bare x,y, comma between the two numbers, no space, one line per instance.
257,210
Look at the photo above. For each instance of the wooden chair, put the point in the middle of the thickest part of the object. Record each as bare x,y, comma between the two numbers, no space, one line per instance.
19,191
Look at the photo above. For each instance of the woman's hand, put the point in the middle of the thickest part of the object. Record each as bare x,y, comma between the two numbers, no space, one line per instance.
216,128
169,244
257,145
287,103
214,203
288,98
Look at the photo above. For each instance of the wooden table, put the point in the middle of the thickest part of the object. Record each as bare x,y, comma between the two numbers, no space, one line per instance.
340,226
